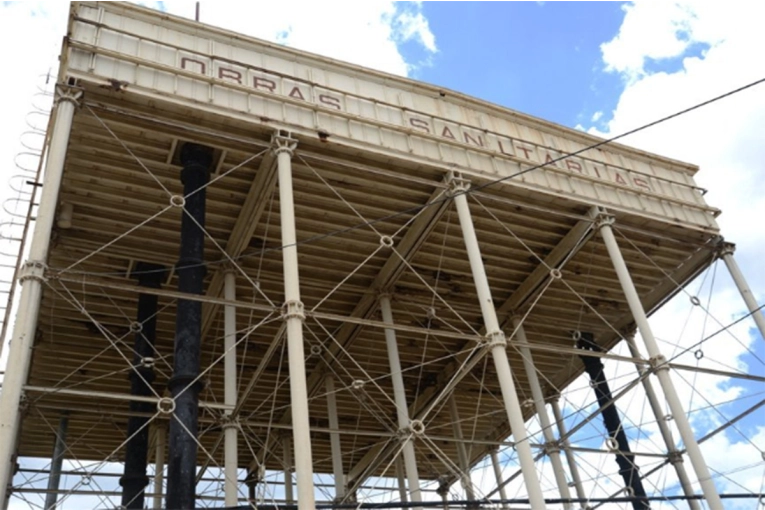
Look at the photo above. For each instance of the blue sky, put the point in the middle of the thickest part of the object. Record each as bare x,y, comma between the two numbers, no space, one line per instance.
600,66
542,58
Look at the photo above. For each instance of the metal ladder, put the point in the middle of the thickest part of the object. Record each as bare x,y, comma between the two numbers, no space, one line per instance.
18,210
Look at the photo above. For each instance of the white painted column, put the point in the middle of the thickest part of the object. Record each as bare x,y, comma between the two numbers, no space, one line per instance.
334,438
551,444
659,362
496,342
462,456
738,277
294,317
572,466
289,496
230,428
32,277
498,475
401,480
399,397
159,465
675,457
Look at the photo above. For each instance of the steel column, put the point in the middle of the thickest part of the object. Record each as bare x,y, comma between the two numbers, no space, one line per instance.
498,474
289,496
675,456
399,397
59,449
552,448
496,342
659,364
401,480
570,457
32,278
294,317
159,465
628,470
134,479
334,438
182,461
230,427
467,484
738,277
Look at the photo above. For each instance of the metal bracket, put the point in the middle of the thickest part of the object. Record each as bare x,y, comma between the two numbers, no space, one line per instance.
724,249
552,447
675,457
282,141
33,270
70,92
658,363
495,339
457,183
228,267
292,309
603,219
416,427
227,422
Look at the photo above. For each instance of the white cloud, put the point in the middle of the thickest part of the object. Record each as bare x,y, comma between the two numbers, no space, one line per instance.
415,26
365,33
724,139
664,31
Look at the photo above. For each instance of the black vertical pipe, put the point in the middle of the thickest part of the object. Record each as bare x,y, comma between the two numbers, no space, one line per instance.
182,459
251,481
626,461
134,479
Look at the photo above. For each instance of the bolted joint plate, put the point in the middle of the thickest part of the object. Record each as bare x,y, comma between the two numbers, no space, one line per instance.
552,447
495,339
33,270
228,421
659,363
675,457
292,309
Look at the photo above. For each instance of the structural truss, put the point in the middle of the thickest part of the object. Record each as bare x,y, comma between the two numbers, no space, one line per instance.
221,308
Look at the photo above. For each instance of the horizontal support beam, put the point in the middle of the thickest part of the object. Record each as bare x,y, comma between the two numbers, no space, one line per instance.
49,390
